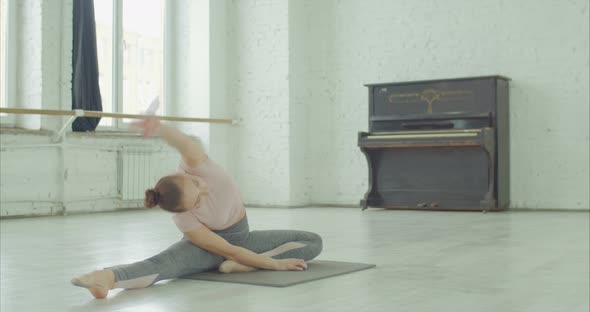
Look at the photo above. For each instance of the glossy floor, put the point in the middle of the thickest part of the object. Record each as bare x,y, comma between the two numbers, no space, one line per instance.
426,261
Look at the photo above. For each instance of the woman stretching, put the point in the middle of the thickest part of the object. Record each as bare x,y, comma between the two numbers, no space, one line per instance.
209,211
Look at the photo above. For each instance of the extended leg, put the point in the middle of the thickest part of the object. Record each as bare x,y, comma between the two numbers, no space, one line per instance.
180,259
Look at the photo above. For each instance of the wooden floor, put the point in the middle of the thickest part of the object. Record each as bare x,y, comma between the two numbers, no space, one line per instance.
426,261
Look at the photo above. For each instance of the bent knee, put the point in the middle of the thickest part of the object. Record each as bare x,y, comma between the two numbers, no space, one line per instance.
316,245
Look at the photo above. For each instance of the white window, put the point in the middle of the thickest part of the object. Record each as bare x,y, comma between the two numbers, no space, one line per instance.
131,69
3,24
7,61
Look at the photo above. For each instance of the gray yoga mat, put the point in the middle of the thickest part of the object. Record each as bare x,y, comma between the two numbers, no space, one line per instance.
316,269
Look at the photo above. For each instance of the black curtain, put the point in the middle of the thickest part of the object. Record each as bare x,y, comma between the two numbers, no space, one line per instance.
85,89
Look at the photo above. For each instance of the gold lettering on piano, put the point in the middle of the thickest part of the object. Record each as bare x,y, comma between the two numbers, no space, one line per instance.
429,96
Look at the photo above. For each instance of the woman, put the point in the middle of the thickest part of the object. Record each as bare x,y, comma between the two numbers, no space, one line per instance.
209,211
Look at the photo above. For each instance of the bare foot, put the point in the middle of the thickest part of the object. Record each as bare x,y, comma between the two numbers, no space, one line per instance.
98,282
230,266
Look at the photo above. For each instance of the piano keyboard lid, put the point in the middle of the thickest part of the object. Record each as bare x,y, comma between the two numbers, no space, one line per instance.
467,133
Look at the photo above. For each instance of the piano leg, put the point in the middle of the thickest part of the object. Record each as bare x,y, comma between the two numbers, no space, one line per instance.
363,205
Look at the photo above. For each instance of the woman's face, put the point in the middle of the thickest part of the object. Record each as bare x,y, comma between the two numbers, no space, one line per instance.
192,190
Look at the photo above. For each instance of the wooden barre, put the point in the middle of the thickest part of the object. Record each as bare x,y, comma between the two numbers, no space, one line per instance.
83,113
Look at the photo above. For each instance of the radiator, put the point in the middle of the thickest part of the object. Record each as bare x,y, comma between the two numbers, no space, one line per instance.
138,171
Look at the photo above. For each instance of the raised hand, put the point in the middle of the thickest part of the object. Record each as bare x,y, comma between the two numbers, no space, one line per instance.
148,125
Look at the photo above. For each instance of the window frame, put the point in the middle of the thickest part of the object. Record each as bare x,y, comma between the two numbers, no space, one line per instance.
118,62
9,82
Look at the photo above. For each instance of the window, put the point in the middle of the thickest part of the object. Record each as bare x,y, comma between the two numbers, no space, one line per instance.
7,58
3,25
131,70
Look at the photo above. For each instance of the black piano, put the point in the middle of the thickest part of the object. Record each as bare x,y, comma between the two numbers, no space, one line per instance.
438,145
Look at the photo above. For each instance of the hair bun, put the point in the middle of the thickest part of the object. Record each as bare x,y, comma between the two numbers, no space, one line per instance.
152,198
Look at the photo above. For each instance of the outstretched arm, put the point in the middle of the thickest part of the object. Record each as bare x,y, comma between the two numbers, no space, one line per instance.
206,239
192,153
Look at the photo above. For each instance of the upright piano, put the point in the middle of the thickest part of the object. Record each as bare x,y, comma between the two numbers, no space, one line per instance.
438,145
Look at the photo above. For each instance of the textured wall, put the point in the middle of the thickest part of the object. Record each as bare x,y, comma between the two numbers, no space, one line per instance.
294,72
222,143
299,99
56,57
29,73
43,60
42,178
29,184
336,46
259,87
541,45
189,90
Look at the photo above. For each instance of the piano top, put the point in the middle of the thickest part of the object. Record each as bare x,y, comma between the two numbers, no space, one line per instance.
437,80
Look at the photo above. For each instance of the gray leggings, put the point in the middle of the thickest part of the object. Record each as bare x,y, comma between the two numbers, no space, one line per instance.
184,258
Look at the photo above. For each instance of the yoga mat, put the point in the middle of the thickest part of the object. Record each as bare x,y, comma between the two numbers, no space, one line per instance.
316,269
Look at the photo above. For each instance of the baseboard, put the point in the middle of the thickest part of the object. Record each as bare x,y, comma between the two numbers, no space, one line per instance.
275,206
301,206
335,206
550,209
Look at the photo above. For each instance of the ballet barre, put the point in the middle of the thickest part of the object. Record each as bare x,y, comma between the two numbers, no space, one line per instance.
75,113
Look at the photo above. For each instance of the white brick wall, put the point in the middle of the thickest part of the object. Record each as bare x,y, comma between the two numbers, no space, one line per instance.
81,176
56,58
259,86
29,74
299,108
294,72
44,36
189,91
222,138
541,45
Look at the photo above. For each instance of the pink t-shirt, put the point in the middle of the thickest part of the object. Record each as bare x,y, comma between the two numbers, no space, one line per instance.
221,208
